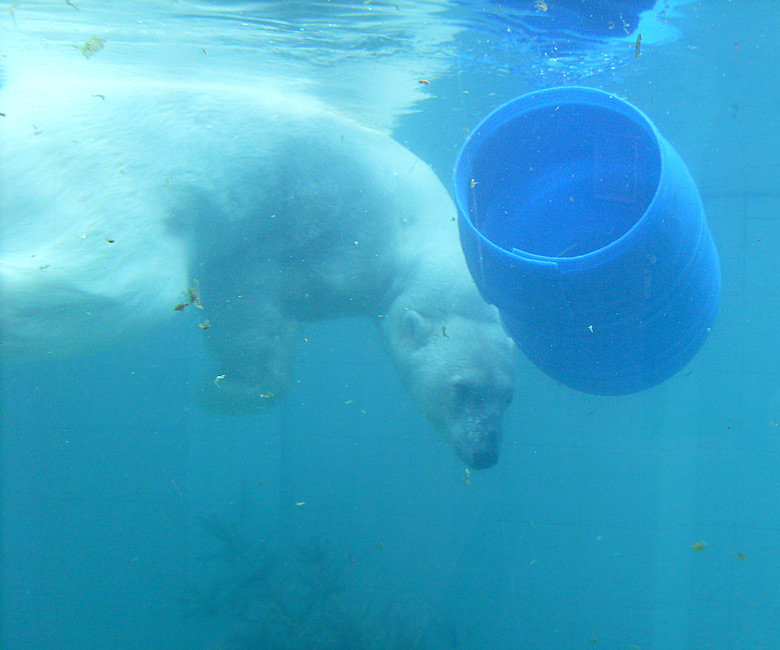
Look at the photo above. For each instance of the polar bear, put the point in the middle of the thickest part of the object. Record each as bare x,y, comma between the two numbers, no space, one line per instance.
117,194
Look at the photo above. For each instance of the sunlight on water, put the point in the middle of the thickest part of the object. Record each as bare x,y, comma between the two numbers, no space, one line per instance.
365,57
774,409
368,58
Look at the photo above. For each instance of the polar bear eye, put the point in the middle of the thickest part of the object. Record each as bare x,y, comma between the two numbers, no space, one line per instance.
473,394
467,392
507,396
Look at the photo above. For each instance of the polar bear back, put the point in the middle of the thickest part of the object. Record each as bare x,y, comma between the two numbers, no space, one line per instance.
117,192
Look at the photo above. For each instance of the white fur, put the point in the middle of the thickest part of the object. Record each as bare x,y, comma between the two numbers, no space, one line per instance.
116,194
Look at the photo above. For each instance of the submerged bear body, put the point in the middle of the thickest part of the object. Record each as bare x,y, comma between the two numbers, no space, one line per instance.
117,195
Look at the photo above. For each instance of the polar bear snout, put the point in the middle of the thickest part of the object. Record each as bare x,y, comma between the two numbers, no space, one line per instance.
485,453
476,438
483,459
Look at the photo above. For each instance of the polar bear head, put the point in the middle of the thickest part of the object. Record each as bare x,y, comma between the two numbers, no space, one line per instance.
457,363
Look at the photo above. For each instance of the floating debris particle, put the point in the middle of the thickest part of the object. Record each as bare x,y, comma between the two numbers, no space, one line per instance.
193,297
699,546
194,294
741,556
467,477
176,487
91,47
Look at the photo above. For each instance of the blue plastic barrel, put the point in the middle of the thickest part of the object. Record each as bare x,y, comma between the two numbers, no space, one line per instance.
585,228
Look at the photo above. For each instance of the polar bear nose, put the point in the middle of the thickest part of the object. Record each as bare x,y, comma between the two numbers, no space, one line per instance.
483,459
476,433
481,448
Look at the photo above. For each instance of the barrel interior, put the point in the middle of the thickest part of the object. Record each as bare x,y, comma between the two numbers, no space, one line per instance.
563,180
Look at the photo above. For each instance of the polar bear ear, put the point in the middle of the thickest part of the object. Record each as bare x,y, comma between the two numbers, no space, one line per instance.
414,327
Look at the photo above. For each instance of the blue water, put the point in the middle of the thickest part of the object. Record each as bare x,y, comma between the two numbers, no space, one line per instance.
131,518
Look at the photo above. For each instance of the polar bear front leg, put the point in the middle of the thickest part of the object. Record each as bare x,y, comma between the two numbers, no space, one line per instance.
254,344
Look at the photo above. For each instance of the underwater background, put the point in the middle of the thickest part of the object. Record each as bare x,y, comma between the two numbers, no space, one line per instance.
133,519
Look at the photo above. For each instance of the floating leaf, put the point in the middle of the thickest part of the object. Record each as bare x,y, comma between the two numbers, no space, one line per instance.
92,46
